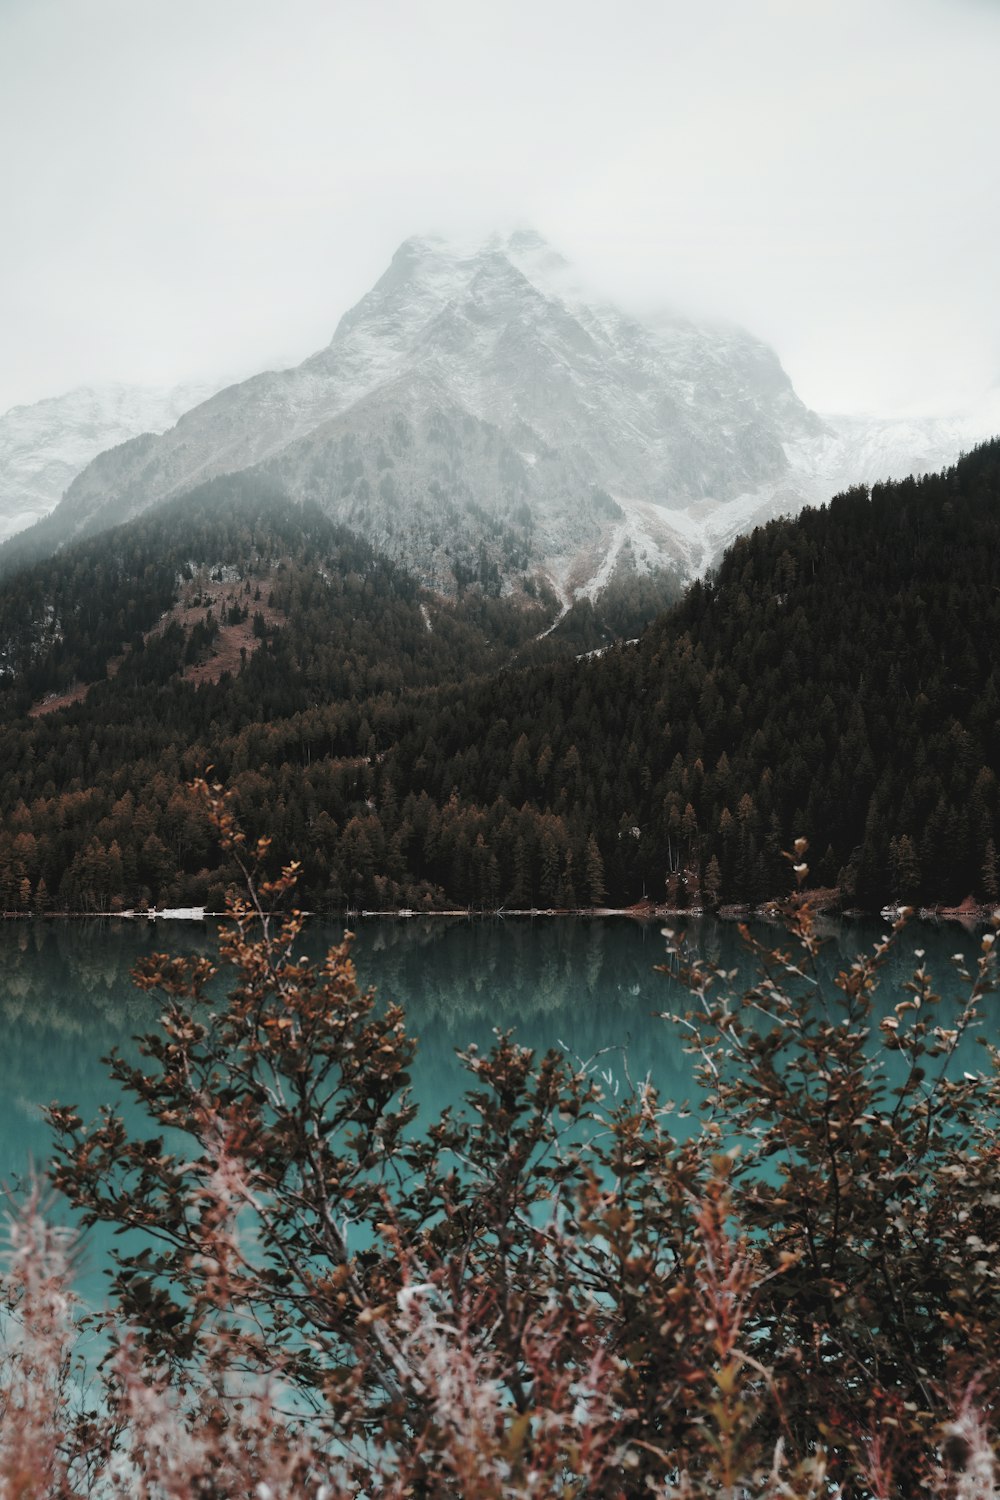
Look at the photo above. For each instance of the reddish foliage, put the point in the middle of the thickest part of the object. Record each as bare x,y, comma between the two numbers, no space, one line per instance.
548,1295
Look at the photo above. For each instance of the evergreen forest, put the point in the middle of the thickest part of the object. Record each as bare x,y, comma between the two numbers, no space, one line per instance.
835,679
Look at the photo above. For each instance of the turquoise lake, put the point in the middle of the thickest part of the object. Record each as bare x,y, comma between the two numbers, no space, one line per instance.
66,998
589,985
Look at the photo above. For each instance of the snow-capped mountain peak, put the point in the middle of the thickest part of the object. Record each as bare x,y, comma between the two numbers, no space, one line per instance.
478,413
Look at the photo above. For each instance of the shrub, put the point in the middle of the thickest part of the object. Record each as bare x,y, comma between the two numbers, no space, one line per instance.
548,1295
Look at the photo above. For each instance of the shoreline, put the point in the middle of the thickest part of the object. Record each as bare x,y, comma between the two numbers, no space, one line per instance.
968,912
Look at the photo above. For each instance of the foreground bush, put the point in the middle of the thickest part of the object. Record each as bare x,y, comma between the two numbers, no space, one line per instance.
548,1296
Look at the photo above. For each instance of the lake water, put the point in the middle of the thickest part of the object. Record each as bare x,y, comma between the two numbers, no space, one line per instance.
66,998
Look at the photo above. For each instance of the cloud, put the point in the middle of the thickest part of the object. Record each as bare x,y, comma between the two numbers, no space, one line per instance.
205,188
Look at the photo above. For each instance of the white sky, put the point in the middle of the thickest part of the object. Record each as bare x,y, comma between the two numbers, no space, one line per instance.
193,187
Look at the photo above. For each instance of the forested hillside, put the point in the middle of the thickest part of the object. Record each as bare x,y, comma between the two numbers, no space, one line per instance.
132,661
837,679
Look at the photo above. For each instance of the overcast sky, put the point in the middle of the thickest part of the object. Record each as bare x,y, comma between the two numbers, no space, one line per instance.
193,187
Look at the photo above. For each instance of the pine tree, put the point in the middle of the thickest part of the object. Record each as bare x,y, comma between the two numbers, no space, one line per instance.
594,869
991,879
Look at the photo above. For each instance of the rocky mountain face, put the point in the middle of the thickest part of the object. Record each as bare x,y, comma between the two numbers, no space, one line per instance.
45,445
849,450
476,415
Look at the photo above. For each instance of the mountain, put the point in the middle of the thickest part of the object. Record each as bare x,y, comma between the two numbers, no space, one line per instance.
479,417
163,601
475,415
44,446
836,678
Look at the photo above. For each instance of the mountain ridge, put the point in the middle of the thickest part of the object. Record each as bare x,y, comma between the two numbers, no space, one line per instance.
478,413
576,397
45,444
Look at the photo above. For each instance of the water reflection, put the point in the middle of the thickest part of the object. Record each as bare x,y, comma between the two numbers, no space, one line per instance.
66,998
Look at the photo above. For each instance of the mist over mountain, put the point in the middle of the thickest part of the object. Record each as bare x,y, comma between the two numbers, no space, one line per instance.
43,446
479,417
475,412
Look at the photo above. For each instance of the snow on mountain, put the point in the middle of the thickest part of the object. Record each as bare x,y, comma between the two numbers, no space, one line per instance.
849,450
476,415
44,446
480,415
